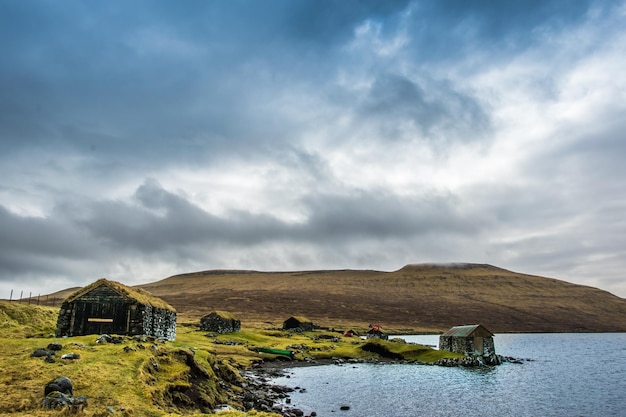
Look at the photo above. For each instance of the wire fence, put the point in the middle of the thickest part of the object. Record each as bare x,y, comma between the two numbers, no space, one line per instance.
45,300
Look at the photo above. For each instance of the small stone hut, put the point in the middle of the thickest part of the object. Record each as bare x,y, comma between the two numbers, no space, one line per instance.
113,308
298,323
220,322
376,332
472,340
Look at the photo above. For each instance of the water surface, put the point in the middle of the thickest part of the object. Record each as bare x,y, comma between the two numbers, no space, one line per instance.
568,375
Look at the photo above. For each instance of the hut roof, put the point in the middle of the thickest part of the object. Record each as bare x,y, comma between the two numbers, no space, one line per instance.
137,294
301,319
466,331
223,314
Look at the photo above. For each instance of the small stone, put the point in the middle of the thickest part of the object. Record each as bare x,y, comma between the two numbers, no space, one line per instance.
41,352
55,346
71,356
344,407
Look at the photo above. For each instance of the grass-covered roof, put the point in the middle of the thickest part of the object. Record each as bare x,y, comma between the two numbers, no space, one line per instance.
137,294
300,319
223,314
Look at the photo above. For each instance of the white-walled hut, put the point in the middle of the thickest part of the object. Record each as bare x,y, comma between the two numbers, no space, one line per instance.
220,322
473,340
108,307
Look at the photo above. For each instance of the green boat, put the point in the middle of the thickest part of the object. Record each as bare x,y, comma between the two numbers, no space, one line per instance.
275,351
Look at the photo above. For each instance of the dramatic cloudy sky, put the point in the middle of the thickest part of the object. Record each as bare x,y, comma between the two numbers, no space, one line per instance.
148,138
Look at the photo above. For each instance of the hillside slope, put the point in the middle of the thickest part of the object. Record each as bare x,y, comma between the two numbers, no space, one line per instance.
423,297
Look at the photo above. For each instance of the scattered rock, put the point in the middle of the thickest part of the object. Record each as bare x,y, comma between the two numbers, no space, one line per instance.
59,395
104,338
71,356
61,384
474,361
55,346
41,352
58,400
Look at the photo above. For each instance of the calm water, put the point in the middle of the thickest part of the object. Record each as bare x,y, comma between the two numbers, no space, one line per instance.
569,375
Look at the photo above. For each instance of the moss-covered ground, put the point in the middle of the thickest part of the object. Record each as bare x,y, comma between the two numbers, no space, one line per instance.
190,376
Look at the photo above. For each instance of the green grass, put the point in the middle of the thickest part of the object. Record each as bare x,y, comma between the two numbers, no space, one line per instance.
162,378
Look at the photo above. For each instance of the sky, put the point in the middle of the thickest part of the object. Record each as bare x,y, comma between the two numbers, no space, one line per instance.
143,139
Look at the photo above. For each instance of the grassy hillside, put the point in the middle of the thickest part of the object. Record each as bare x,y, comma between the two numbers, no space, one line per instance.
415,298
188,377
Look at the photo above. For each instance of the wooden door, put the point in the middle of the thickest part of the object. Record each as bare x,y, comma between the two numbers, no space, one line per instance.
100,318
478,345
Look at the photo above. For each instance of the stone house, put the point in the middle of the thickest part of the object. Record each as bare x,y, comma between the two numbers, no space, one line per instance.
376,332
472,340
298,323
220,322
108,307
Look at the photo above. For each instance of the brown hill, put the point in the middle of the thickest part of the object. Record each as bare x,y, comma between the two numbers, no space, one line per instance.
424,297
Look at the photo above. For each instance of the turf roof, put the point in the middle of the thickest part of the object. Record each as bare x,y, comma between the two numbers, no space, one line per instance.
137,294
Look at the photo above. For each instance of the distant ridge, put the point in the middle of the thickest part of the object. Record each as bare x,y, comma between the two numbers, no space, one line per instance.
418,297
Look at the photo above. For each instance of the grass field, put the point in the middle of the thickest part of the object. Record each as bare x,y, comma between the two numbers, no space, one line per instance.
190,376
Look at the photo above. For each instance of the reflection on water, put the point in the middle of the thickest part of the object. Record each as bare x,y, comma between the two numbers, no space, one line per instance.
568,375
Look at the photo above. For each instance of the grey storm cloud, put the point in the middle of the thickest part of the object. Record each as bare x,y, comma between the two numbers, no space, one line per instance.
435,110
141,139
162,219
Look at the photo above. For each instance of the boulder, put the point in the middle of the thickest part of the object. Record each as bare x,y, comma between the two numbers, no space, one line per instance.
71,356
61,384
56,346
58,394
41,352
58,400
104,338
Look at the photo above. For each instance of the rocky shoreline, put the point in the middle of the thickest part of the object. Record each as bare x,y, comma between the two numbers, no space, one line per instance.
262,395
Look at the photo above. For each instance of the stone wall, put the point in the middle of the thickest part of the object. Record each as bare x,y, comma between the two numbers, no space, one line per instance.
489,346
465,345
158,322
215,323
64,320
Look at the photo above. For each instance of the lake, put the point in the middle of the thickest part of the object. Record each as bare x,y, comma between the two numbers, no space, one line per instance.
567,375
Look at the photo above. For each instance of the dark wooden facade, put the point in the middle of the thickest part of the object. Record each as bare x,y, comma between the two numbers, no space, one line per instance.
108,307
298,323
